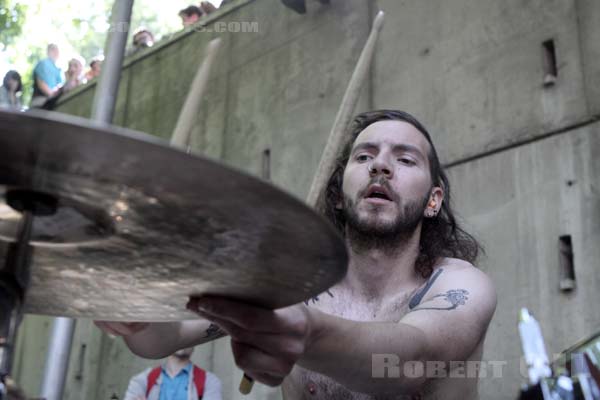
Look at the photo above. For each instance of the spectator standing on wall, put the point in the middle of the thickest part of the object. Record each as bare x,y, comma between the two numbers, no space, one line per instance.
74,75
10,91
95,68
142,39
190,15
47,78
207,7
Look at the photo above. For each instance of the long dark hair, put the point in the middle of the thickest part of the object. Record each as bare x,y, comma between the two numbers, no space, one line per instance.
441,236
14,75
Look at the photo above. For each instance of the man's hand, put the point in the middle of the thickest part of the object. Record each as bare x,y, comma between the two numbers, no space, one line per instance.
265,343
121,328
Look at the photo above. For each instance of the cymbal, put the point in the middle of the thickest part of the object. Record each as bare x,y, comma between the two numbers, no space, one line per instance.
141,226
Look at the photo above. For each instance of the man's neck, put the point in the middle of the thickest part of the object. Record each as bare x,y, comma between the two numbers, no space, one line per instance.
175,365
378,273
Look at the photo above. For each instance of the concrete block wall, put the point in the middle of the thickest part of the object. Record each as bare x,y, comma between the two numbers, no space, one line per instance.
473,70
520,155
519,202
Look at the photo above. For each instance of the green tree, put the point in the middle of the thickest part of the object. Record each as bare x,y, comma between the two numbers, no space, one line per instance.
12,17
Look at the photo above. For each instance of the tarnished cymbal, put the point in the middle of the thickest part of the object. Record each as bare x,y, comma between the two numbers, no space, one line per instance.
141,226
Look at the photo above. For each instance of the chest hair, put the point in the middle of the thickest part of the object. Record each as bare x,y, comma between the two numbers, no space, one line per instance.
315,386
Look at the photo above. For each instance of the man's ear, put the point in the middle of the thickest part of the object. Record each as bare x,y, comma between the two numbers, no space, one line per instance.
437,194
434,205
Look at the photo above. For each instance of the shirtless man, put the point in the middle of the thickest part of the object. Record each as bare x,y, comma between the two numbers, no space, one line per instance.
411,293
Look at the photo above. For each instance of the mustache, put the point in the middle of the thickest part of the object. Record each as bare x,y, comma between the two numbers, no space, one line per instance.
383,182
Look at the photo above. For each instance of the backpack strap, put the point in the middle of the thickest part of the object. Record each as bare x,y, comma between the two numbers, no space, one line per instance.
152,378
199,380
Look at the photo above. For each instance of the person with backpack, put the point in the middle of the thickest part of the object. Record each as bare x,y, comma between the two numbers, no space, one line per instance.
176,379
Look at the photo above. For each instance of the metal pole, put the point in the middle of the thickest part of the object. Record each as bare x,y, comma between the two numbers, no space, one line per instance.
14,279
57,361
105,97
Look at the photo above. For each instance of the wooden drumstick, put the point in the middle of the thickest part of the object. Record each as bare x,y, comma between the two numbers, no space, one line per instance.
183,129
344,115
246,384
336,135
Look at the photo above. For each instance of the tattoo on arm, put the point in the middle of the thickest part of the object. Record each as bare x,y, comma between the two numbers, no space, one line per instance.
214,332
416,300
456,297
316,298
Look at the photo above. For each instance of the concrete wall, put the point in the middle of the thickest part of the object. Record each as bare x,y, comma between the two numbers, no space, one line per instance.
519,202
588,15
473,70
520,155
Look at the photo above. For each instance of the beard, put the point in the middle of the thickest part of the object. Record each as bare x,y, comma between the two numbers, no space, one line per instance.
365,234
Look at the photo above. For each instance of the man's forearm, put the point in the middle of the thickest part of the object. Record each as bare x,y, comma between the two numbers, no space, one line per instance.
158,340
161,339
44,88
343,350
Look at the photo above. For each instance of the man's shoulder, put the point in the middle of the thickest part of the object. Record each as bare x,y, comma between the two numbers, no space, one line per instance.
138,384
454,267
45,62
451,273
39,65
455,263
143,374
212,381
208,373
44,65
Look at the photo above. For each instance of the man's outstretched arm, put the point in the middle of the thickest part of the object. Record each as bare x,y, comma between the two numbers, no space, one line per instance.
447,325
161,339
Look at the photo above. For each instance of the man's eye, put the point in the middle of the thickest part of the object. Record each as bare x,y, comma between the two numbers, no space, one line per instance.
363,157
406,161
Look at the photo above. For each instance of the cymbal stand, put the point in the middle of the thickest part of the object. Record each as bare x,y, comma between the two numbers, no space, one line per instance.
15,274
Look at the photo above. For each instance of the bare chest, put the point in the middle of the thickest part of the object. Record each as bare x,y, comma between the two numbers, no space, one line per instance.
304,384
347,305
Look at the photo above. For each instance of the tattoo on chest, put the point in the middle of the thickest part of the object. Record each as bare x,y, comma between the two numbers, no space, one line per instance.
456,297
214,332
316,298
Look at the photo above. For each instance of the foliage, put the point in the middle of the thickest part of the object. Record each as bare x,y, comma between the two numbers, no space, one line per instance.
12,17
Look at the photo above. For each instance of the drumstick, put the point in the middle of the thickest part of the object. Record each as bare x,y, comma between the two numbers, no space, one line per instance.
183,129
344,115
336,135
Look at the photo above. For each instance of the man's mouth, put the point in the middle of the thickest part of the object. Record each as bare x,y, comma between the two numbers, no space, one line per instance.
378,192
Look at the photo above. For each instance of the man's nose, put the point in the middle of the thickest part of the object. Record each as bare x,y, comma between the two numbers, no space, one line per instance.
381,165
